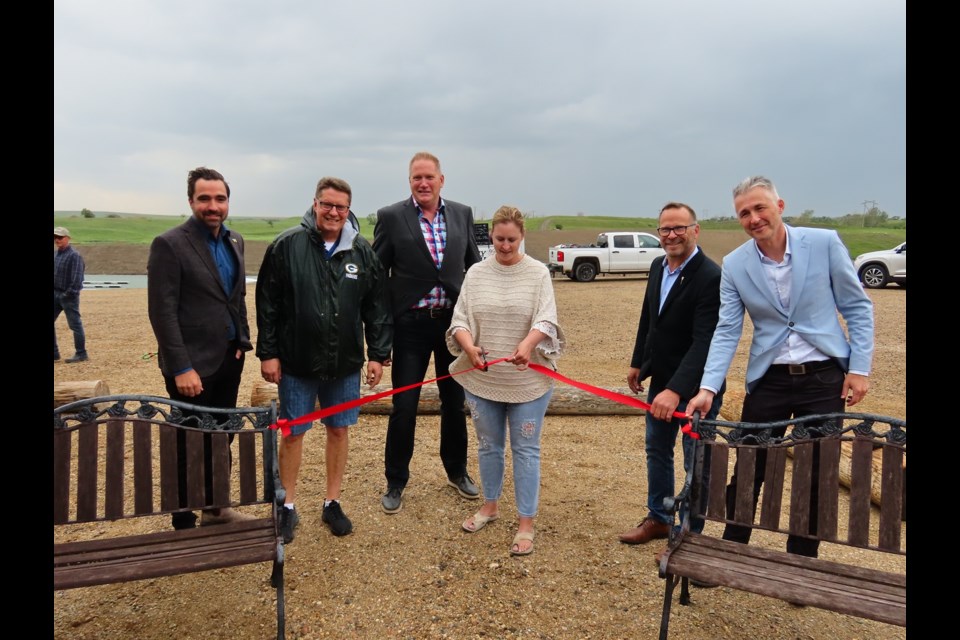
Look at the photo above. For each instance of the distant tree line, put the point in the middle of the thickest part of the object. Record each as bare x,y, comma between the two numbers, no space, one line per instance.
873,217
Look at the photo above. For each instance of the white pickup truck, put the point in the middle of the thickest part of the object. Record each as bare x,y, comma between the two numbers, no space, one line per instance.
614,252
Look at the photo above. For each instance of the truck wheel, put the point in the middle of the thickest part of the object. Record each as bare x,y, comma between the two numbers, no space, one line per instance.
585,272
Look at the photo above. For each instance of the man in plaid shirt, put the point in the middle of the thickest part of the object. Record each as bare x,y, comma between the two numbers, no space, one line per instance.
67,283
426,244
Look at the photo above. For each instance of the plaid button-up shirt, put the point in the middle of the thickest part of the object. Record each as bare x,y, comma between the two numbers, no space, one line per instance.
435,235
68,270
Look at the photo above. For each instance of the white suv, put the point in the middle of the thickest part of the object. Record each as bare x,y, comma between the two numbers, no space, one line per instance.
878,268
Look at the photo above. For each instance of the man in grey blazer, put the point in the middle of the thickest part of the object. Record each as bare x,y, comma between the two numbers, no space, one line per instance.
792,281
426,244
196,290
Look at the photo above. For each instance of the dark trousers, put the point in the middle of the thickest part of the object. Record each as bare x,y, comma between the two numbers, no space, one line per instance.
417,336
219,390
781,396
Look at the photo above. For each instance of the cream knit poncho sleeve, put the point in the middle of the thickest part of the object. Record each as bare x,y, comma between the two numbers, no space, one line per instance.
499,305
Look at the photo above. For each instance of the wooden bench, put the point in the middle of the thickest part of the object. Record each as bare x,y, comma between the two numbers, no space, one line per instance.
115,459
848,589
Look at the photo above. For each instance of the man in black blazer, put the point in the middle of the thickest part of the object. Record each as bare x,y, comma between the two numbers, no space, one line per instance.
426,244
677,321
196,290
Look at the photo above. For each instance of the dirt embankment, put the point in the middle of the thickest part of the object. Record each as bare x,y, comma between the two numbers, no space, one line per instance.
131,259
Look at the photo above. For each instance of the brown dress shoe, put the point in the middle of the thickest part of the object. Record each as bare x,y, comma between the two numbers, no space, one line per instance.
645,532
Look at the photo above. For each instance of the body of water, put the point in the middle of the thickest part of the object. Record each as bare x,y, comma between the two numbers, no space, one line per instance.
95,282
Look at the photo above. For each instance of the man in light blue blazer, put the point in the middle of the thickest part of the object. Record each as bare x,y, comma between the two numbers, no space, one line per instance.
792,281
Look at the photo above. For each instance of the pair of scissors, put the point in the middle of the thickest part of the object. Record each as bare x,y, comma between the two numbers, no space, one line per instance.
483,354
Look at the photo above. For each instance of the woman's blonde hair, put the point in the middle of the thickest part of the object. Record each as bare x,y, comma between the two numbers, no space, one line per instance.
506,213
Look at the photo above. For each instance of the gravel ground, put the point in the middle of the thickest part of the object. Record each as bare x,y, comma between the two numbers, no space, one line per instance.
416,574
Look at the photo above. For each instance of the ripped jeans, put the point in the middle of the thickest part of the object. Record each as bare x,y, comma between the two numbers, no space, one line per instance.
525,421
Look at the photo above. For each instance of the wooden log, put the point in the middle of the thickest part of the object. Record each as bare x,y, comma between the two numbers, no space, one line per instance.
565,401
67,392
732,405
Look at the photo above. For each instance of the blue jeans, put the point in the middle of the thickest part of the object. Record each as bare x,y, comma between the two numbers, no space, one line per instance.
661,437
70,305
525,421
298,397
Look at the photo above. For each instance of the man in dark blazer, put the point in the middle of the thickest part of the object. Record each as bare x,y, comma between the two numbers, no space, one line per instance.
677,320
426,244
196,290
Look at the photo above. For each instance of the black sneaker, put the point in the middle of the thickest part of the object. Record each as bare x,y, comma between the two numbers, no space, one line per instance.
336,519
80,357
288,522
465,487
392,500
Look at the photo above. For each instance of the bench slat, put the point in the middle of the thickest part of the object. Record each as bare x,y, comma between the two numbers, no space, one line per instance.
184,554
829,489
196,487
113,481
746,472
800,488
61,475
719,461
846,589
723,551
891,497
248,466
861,466
67,553
142,468
220,444
774,471
169,483
87,437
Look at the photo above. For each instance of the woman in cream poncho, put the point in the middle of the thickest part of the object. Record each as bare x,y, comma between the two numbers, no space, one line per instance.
506,309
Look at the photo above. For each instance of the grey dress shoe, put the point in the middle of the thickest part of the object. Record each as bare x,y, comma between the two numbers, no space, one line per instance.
465,487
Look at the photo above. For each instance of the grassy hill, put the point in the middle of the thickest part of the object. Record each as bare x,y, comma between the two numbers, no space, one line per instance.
142,229
117,243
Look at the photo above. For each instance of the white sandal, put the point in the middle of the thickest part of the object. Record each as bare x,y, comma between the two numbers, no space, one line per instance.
523,535
479,521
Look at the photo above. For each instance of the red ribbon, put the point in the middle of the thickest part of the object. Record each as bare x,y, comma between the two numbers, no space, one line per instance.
284,424
613,396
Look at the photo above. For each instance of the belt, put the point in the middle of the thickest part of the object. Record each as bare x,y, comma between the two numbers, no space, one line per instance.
805,368
435,312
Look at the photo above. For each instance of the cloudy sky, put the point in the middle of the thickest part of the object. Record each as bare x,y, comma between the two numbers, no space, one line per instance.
562,107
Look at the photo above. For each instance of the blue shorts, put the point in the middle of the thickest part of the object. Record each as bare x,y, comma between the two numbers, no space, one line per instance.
298,397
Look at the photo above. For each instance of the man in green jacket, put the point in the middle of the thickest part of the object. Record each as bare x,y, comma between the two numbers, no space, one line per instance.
320,292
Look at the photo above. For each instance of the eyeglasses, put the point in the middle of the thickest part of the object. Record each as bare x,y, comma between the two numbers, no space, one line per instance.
326,206
680,231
